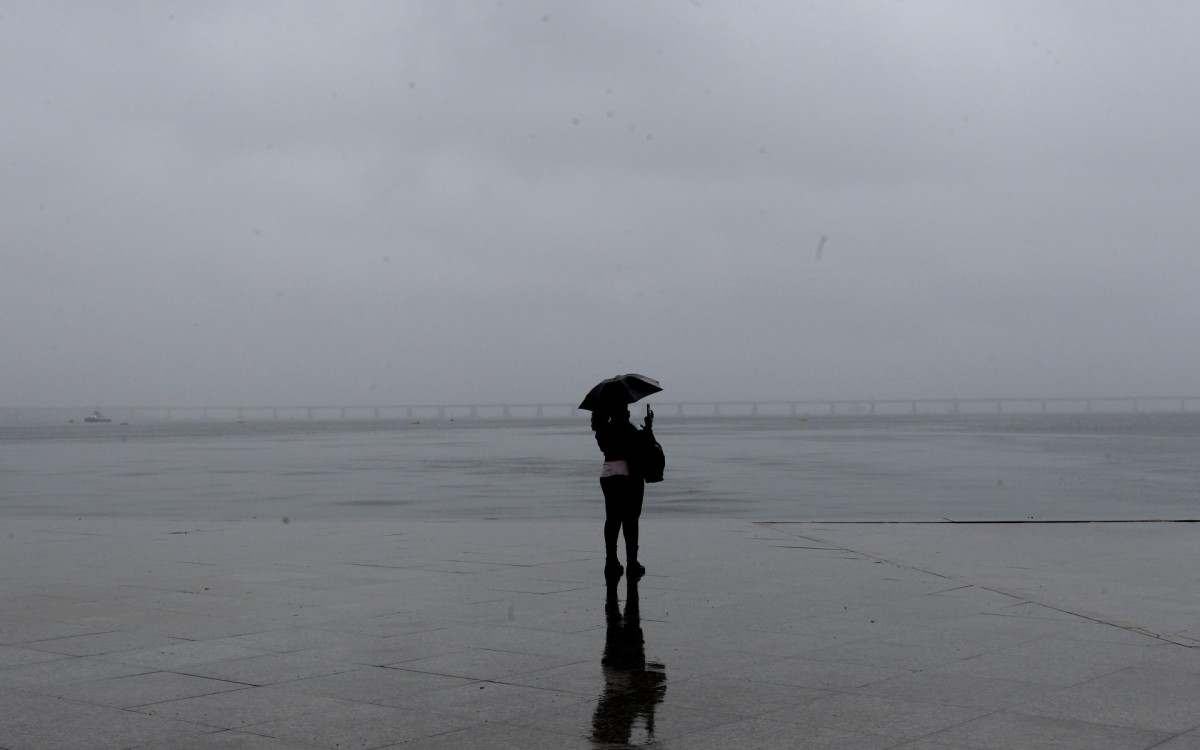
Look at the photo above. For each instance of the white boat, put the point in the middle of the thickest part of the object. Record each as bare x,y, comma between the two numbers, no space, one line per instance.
96,416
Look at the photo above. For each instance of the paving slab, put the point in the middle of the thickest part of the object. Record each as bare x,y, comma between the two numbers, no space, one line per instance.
1135,575
261,634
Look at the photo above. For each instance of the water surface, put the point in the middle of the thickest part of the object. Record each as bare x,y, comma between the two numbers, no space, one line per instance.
1047,466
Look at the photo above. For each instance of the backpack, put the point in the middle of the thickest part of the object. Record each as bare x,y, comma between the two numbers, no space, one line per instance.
651,461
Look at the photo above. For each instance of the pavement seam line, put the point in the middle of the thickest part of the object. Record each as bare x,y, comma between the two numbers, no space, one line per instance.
1022,597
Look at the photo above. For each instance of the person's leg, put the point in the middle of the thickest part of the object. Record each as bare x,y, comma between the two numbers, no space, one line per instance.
612,524
634,493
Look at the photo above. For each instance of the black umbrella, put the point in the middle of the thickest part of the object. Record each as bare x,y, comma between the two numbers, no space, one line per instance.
619,391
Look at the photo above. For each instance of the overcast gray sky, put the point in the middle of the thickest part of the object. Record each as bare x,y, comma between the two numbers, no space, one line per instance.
417,202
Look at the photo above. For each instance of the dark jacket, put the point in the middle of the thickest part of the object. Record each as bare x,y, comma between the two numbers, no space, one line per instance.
619,441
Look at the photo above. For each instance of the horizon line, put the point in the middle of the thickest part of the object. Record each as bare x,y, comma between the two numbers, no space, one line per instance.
571,405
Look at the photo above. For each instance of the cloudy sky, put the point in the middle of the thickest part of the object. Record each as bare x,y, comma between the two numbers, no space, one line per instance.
417,202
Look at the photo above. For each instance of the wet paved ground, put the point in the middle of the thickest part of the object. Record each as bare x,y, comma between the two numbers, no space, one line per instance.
158,634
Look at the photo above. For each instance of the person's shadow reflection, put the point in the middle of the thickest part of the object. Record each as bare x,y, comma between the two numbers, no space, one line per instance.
632,687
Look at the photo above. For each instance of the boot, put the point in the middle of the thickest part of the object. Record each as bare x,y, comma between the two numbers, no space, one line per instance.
636,570
612,566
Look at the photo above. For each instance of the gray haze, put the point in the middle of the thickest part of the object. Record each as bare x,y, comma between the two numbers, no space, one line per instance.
412,202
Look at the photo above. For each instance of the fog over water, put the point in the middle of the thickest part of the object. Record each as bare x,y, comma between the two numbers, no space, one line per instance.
896,468
428,202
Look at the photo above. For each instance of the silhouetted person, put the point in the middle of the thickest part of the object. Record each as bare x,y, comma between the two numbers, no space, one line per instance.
622,484
632,687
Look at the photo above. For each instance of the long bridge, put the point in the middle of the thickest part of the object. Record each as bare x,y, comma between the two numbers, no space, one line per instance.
748,408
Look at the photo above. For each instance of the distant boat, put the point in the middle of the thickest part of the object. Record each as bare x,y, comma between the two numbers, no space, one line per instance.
96,416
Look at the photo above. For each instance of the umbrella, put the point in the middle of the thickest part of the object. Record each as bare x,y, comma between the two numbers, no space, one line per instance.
619,391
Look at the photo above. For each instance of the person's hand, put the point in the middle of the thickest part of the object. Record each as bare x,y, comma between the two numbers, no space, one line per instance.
649,421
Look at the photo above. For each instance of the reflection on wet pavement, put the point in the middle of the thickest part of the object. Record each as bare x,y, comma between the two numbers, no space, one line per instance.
633,687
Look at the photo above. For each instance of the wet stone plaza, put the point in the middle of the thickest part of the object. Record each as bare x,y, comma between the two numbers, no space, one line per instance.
335,634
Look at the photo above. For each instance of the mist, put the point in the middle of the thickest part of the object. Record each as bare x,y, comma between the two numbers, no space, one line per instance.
427,202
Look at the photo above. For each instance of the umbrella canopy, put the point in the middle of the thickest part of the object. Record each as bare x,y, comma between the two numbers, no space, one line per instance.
619,391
